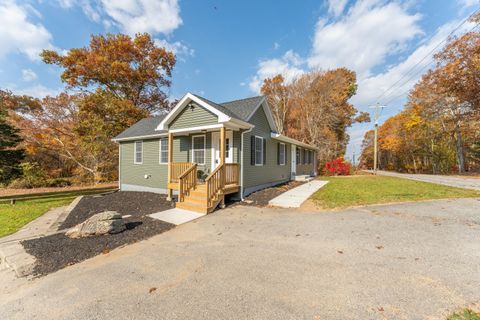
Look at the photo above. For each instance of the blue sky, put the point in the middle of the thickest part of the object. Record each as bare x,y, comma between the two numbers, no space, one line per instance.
226,48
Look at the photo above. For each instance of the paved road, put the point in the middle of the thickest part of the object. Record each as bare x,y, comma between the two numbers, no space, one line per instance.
405,261
460,182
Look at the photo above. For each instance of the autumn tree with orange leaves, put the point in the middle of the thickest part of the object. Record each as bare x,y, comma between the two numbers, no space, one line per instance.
112,83
315,109
439,130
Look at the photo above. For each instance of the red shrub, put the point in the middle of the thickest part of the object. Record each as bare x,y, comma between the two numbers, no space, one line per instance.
337,167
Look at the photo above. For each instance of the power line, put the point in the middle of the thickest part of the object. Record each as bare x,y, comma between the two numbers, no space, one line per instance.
427,55
416,73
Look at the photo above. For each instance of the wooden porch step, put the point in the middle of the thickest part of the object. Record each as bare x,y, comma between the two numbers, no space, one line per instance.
192,207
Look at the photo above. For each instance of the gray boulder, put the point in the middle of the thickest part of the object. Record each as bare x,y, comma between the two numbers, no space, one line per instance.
98,224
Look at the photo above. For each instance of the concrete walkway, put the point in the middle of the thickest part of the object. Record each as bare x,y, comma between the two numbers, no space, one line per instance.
176,216
12,254
295,197
459,182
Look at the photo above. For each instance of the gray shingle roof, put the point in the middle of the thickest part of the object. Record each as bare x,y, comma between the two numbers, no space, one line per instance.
144,127
218,107
243,108
239,109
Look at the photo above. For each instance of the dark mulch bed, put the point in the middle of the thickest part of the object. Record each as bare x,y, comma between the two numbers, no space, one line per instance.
124,202
262,197
57,251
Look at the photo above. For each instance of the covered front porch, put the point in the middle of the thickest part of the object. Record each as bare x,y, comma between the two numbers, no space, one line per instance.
212,169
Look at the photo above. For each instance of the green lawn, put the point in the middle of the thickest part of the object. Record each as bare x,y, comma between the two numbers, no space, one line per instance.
466,314
13,217
349,191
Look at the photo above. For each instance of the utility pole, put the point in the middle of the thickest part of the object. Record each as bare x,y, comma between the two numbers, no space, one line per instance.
353,160
377,107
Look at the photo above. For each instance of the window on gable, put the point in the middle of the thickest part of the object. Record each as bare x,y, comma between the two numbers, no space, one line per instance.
282,155
163,150
138,152
259,144
198,149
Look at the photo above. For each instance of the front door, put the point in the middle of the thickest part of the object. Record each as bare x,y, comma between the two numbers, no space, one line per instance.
216,148
294,161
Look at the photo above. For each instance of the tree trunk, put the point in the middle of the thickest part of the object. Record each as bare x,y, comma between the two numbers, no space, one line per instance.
459,149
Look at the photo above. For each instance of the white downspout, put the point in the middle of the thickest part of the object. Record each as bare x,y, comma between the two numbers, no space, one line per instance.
241,162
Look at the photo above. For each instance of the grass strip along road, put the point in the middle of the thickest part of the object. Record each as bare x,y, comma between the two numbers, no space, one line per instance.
348,191
29,207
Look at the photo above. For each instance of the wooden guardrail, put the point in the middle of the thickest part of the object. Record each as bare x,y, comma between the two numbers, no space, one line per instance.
215,183
187,180
232,173
177,168
12,199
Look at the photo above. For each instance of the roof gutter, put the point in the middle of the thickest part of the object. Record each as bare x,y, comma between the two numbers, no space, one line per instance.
139,137
283,138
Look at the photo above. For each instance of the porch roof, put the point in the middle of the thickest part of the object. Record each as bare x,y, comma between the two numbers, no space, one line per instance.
144,128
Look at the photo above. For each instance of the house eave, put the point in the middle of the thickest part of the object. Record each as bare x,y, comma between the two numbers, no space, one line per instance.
283,138
149,136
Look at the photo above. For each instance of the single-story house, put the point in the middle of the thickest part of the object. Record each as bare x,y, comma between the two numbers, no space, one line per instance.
204,150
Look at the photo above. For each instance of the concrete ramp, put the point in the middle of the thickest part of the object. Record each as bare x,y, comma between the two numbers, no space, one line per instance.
176,216
295,197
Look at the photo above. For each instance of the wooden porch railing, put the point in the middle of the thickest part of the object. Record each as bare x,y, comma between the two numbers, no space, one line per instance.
225,174
232,173
187,181
215,183
177,169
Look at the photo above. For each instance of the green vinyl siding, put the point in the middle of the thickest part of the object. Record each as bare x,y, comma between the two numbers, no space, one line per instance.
271,172
237,136
193,117
134,174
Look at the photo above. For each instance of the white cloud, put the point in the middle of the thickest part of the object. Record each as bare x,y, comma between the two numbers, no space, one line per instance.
37,91
178,48
336,7
468,3
276,45
405,74
29,75
370,31
19,34
289,65
153,16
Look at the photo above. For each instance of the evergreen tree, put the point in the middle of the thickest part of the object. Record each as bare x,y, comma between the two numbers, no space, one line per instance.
10,156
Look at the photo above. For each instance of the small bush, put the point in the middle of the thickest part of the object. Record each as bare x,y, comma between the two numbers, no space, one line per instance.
33,176
58,182
337,167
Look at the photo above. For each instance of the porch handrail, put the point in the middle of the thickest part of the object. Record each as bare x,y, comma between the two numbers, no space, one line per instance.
215,183
177,168
232,173
187,181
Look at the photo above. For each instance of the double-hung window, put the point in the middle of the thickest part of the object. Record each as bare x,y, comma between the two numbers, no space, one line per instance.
258,151
198,149
163,157
282,155
138,156
297,155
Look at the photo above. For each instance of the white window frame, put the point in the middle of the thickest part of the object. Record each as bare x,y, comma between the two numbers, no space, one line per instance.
135,152
283,159
204,148
160,145
262,151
